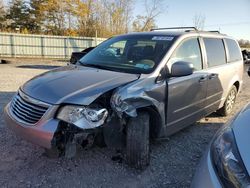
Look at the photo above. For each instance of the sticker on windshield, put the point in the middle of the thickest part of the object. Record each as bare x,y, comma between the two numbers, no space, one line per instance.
162,38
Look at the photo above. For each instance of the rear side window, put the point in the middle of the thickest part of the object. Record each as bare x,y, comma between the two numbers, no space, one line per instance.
215,52
234,53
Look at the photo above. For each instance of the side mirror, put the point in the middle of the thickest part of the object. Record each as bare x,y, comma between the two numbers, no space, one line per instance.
181,68
162,76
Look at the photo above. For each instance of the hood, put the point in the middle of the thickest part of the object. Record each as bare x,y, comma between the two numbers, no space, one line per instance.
241,129
74,84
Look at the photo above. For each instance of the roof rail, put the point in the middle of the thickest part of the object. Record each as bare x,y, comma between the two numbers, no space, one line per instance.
176,28
215,31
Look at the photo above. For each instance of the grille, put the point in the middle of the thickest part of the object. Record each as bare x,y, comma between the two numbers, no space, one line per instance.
28,110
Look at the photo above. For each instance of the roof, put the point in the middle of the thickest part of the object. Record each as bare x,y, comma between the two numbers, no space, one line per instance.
178,31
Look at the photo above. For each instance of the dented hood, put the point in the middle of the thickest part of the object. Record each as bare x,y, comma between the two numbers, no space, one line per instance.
74,84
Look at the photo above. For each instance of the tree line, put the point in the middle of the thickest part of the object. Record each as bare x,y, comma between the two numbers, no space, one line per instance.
244,43
77,17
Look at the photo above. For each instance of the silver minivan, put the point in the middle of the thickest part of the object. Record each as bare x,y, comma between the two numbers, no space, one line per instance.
128,90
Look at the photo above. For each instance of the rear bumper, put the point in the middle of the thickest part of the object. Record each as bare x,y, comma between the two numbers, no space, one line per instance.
205,175
40,134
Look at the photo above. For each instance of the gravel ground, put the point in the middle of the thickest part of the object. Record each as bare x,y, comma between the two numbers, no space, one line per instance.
173,161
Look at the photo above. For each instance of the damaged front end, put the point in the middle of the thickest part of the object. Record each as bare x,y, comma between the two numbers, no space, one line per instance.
87,125
102,121
79,125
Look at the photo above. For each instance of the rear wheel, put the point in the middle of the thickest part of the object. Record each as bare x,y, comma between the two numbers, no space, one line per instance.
229,103
137,141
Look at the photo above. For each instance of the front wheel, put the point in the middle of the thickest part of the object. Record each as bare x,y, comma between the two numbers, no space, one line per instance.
52,153
137,141
229,103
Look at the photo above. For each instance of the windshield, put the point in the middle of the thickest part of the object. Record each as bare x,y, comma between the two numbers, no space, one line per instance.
139,54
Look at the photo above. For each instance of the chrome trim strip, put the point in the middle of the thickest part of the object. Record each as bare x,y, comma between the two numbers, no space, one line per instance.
26,110
33,107
17,118
24,115
33,101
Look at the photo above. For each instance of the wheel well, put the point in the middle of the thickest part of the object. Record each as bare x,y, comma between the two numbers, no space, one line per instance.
155,121
237,85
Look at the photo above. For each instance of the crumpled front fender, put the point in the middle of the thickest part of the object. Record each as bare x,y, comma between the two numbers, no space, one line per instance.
139,94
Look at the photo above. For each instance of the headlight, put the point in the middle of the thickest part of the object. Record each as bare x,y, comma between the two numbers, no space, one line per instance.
80,114
227,160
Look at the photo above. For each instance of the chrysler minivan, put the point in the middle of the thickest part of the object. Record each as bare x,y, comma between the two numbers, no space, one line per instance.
128,90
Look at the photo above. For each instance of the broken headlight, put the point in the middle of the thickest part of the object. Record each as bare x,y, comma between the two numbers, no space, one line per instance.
227,160
73,114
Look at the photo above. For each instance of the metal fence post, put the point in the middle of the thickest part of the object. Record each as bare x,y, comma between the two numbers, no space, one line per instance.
42,47
95,37
12,46
65,48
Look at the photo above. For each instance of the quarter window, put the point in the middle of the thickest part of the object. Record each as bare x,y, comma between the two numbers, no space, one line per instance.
188,51
215,52
233,50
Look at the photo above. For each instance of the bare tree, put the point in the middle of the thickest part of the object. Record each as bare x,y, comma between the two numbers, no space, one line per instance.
199,21
153,8
119,13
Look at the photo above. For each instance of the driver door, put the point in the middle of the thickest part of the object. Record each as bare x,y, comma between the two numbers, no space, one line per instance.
186,95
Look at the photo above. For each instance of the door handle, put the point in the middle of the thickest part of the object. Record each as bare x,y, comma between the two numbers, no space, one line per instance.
212,76
202,79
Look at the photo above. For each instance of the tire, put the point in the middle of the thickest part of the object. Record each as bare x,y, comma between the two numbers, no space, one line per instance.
137,141
229,103
99,140
52,153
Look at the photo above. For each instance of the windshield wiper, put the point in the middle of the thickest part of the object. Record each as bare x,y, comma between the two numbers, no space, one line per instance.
110,68
97,66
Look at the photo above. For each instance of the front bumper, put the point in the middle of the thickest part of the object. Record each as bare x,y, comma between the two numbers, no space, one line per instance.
40,134
205,176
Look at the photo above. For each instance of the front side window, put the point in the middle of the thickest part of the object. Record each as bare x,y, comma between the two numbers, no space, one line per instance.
234,53
215,52
188,51
129,53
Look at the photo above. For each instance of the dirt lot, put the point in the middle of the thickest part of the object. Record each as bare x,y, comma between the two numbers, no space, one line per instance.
173,161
